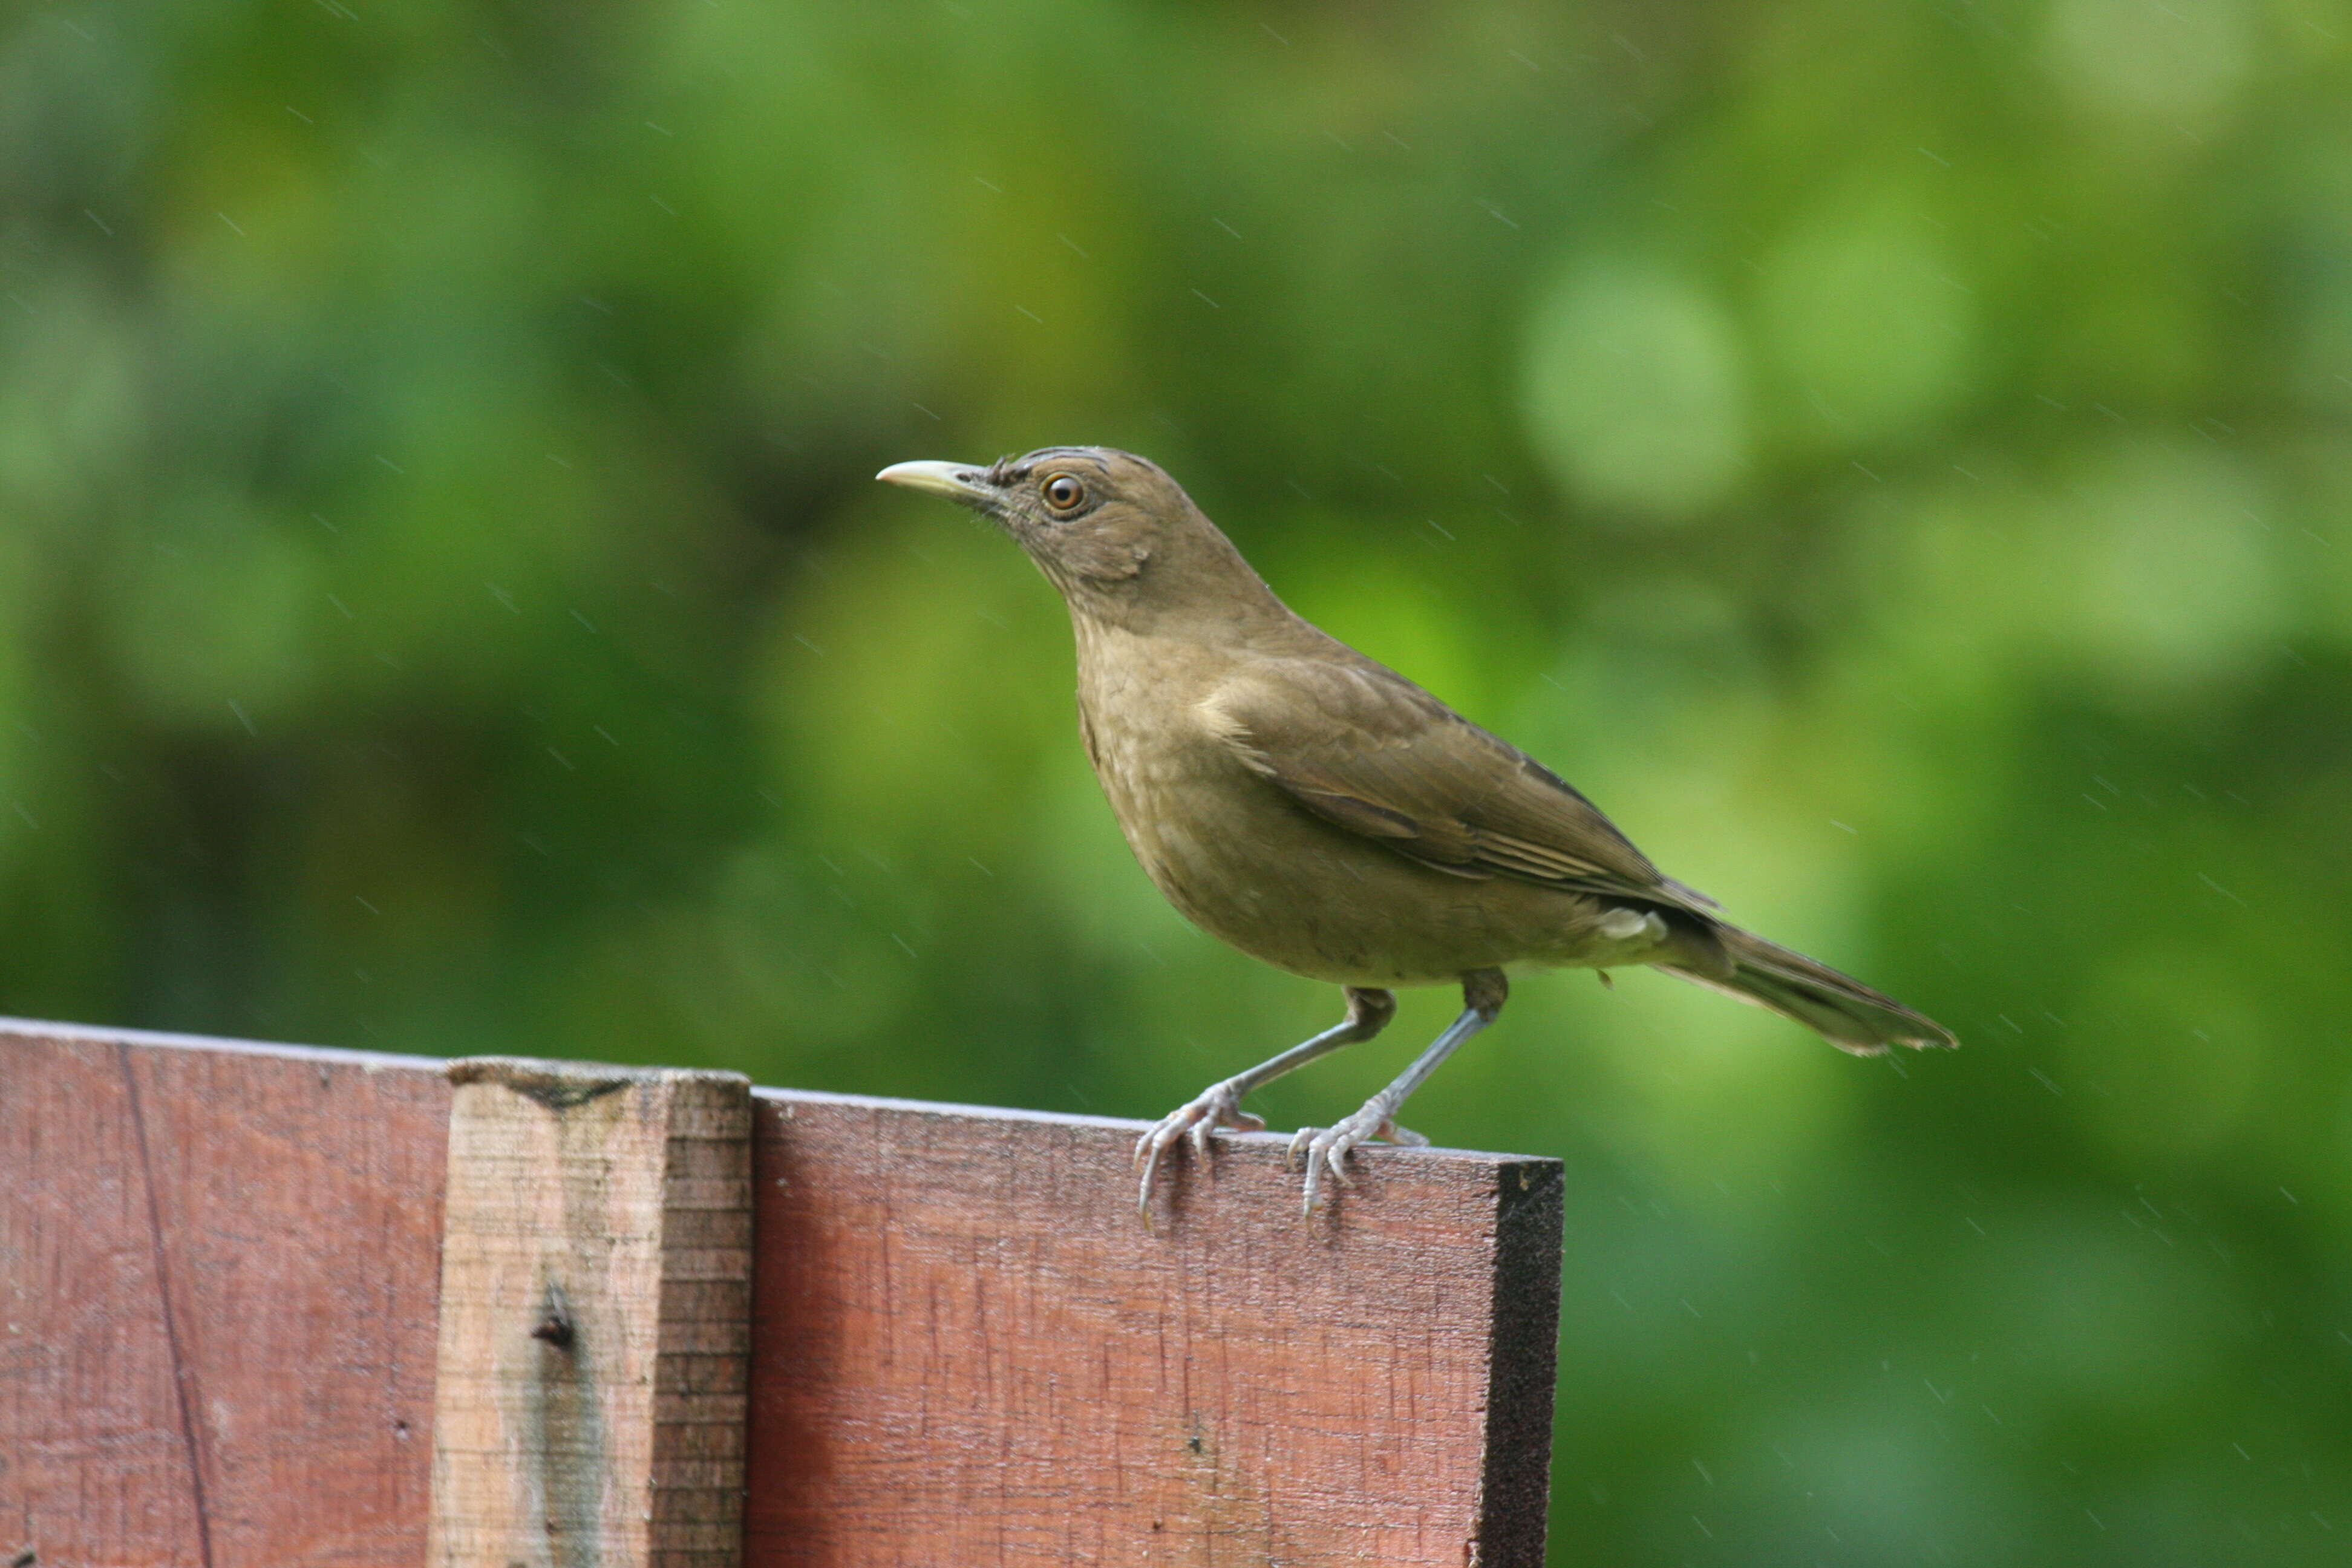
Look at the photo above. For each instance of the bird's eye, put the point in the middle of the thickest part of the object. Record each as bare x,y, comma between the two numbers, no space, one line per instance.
1063,493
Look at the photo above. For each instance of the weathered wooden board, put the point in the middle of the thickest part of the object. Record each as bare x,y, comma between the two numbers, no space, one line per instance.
967,1350
218,1269
596,1318
216,1301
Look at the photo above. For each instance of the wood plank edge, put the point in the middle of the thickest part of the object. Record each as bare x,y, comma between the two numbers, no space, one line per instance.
1278,1141
102,1034
390,1062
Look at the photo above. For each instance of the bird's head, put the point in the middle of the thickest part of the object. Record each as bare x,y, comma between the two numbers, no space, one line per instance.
1111,530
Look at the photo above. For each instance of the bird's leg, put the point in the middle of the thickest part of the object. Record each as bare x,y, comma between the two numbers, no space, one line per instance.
1483,994
1219,1105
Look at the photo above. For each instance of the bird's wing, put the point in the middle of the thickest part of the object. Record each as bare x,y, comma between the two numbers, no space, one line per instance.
1364,748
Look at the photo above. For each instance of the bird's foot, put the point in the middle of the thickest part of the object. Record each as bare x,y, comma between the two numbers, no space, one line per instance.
1217,1106
1402,1137
1326,1148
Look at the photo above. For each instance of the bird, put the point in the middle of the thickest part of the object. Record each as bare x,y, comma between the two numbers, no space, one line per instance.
1320,812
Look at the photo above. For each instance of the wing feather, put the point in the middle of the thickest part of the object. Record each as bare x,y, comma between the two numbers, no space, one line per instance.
1368,751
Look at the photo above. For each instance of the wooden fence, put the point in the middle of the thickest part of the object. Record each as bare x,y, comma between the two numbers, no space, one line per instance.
266,1305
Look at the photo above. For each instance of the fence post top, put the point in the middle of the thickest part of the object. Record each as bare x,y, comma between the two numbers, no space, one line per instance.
569,1082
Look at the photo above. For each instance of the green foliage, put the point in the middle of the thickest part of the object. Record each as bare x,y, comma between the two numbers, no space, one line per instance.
1892,457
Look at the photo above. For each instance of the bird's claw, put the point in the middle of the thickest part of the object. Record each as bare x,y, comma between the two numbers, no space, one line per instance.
1216,1106
1326,1148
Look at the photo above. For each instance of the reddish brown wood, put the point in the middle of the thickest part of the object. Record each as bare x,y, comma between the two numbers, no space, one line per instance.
967,1350
217,1299
218,1330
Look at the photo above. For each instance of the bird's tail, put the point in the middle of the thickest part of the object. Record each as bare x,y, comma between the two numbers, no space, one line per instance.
1848,1013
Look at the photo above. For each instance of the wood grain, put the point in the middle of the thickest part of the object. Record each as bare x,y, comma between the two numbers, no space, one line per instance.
217,1299
218,1329
595,1270
967,1350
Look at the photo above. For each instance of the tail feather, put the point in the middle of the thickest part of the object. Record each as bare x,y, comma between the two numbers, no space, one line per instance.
1848,1013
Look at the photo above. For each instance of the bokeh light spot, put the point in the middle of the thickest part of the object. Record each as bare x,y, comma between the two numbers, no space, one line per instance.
1633,390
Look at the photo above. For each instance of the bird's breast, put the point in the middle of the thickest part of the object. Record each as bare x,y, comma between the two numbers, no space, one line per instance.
1245,862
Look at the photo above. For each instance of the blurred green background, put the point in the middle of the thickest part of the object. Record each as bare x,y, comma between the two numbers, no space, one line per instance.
1891,455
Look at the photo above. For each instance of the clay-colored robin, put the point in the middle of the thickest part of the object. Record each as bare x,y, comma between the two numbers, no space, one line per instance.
1319,811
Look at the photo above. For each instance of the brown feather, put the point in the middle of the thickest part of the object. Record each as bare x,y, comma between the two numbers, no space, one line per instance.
1370,751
